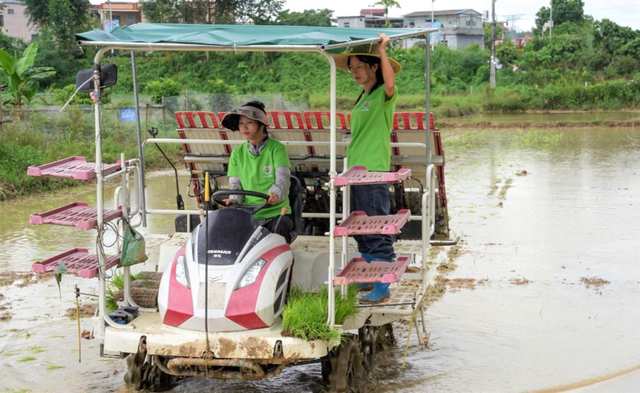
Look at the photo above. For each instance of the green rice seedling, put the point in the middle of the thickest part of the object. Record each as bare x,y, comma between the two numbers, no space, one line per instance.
54,367
117,284
36,349
305,315
27,359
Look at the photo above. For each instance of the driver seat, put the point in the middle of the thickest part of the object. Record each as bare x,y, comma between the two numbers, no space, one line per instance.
296,193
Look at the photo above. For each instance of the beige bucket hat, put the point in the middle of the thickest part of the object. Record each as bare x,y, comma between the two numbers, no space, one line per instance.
230,120
366,50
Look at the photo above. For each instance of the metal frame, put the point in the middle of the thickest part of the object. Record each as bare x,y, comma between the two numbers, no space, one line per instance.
106,46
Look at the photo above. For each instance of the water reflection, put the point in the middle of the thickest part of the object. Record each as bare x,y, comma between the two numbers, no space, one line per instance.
546,117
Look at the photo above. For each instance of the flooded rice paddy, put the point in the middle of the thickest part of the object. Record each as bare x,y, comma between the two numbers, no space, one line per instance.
542,294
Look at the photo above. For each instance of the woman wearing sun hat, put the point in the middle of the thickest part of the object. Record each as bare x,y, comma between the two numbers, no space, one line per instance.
261,165
370,146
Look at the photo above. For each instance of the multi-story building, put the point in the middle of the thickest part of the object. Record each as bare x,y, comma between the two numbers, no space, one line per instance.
14,21
459,28
369,18
123,14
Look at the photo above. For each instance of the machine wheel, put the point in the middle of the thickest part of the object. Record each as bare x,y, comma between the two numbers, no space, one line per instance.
136,366
157,380
385,337
346,372
368,337
143,372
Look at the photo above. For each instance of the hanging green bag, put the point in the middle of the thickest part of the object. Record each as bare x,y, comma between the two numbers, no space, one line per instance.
133,247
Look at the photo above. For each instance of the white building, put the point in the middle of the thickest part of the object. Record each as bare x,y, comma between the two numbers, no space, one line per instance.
460,28
15,22
369,18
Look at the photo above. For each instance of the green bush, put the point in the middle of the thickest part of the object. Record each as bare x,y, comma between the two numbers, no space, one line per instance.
61,96
164,87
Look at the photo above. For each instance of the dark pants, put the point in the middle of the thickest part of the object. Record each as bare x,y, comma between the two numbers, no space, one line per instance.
374,200
282,225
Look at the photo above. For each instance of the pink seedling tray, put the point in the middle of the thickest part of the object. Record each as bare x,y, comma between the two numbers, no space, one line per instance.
358,223
359,271
75,214
78,261
72,168
360,175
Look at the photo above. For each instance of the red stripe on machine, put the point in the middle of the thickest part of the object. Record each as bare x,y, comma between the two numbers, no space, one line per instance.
241,308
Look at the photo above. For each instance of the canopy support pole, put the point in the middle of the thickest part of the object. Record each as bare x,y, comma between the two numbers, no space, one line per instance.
331,320
143,192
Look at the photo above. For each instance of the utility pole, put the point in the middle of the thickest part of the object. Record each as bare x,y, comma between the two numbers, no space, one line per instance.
492,79
432,1
550,19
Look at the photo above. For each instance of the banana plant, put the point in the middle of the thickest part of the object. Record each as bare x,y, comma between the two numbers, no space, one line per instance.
22,76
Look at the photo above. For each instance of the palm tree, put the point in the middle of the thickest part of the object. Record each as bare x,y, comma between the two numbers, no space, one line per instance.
387,4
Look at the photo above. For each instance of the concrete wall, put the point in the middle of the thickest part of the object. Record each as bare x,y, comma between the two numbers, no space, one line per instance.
16,22
351,21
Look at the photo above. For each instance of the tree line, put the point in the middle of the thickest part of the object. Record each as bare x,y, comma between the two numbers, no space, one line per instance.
582,52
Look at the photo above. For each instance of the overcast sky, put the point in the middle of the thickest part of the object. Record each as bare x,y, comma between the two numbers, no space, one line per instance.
520,12
523,12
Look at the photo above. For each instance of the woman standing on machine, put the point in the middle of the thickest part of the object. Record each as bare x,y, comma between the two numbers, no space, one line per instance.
370,146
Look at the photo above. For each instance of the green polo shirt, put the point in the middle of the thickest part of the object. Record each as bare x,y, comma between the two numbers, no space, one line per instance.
258,173
371,123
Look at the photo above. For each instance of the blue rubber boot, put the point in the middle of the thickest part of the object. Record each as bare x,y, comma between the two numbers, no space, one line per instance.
379,293
366,286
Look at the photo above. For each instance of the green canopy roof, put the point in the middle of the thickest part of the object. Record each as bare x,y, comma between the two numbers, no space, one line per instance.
237,35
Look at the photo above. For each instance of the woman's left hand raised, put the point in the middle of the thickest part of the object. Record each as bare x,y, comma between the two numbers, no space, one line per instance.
384,41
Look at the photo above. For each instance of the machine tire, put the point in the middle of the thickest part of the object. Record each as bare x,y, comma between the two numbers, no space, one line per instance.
368,337
143,372
385,337
347,371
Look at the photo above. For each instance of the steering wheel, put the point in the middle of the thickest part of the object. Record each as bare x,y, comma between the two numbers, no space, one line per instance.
220,195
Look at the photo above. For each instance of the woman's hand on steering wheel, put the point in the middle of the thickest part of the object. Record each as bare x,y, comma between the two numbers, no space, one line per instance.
228,202
273,198
222,197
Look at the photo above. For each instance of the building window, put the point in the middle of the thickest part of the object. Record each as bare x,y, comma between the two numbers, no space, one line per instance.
131,19
346,24
34,37
10,11
1,20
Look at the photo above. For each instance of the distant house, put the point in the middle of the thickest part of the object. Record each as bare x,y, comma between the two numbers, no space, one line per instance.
124,14
369,18
460,28
15,22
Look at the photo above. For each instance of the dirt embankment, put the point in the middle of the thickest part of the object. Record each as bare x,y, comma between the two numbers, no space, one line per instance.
546,124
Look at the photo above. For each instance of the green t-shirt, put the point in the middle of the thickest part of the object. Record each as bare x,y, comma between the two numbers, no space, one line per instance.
371,123
258,173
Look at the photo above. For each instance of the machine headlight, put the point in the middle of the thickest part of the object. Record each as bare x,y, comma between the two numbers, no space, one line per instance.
182,274
251,275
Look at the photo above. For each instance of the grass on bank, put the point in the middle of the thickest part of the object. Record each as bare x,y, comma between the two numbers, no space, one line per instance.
33,139
305,314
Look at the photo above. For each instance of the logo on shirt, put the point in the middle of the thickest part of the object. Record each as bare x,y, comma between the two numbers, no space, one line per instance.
365,106
267,171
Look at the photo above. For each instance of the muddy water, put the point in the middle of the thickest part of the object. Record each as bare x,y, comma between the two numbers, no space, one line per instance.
546,117
549,220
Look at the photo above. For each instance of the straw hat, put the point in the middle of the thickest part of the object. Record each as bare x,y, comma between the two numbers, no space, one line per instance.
230,120
366,50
